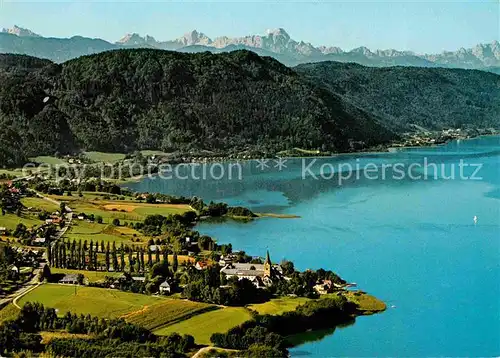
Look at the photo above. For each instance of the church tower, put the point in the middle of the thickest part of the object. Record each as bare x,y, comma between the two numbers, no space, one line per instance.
268,266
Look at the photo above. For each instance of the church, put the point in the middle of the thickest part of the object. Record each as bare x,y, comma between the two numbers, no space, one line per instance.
261,275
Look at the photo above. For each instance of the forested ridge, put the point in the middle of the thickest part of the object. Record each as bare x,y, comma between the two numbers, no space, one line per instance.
124,100
434,98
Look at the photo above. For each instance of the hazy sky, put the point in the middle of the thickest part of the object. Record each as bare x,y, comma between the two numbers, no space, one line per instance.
421,26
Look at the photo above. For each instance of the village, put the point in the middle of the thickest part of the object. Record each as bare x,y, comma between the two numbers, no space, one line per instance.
139,256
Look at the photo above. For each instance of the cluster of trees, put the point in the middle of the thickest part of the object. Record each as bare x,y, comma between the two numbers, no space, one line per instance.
109,336
219,209
9,202
205,286
434,98
302,283
267,332
171,101
66,186
84,256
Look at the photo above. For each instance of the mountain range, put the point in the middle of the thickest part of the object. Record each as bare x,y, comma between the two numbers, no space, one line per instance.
130,99
275,43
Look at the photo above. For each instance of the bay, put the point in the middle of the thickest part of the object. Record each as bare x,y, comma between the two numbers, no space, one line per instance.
410,241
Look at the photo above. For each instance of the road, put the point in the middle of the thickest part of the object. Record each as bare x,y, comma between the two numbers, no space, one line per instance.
33,283
24,289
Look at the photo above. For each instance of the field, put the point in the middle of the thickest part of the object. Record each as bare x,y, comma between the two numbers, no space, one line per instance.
105,157
166,312
49,336
39,203
367,304
8,312
202,326
48,160
278,306
92,276
10,221
98,302
18,172
83,230
119,209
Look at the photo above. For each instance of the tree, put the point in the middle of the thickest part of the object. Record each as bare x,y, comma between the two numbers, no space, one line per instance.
91,252
116,222
175,263
150,258
45,273
62,208
107,256
115,257
98,218
122,258
80,278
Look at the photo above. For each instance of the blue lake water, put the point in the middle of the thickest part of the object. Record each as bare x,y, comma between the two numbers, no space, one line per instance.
409,241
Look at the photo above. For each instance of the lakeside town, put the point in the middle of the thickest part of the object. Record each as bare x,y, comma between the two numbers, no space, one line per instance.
139,256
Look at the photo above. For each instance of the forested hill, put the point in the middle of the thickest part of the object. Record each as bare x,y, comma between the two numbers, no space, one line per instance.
153,99
434,98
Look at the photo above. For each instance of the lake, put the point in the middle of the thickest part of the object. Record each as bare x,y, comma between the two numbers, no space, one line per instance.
408,239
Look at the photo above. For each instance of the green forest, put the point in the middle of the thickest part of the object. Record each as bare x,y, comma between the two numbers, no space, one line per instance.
127,100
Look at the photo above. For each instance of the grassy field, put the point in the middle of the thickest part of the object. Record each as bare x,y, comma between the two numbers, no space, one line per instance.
92,276
105,157
124,210
10,221
8,312
98,302
17,172
367,304
48,160
83,230
39,203
49,336
166,312
278,306
202,326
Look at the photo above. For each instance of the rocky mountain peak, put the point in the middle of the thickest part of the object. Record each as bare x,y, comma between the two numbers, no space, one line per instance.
19,31
195,38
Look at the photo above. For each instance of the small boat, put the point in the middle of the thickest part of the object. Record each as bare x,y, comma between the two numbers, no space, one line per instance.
475,219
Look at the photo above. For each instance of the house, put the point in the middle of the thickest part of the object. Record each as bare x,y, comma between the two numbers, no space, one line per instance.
227,259
154,248
81,217
259,274
201,265
139,279
39,240
69,279
165,288
3,231
324,287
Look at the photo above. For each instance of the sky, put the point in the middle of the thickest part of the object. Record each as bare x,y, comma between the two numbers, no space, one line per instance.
420,26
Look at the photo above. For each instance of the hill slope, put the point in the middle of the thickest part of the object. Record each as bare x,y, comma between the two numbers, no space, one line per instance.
152,99
434,98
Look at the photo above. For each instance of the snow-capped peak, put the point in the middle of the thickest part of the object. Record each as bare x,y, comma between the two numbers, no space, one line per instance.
21,32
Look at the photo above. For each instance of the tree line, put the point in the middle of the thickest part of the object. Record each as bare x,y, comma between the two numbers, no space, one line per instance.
106,337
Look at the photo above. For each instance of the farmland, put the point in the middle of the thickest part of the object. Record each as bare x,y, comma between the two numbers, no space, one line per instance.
202,326
278,306
83,230
166,312
10,221
39,203
98,302
91,276
8,312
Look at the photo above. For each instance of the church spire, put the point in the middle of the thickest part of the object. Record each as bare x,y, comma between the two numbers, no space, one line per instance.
268,258
267,265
